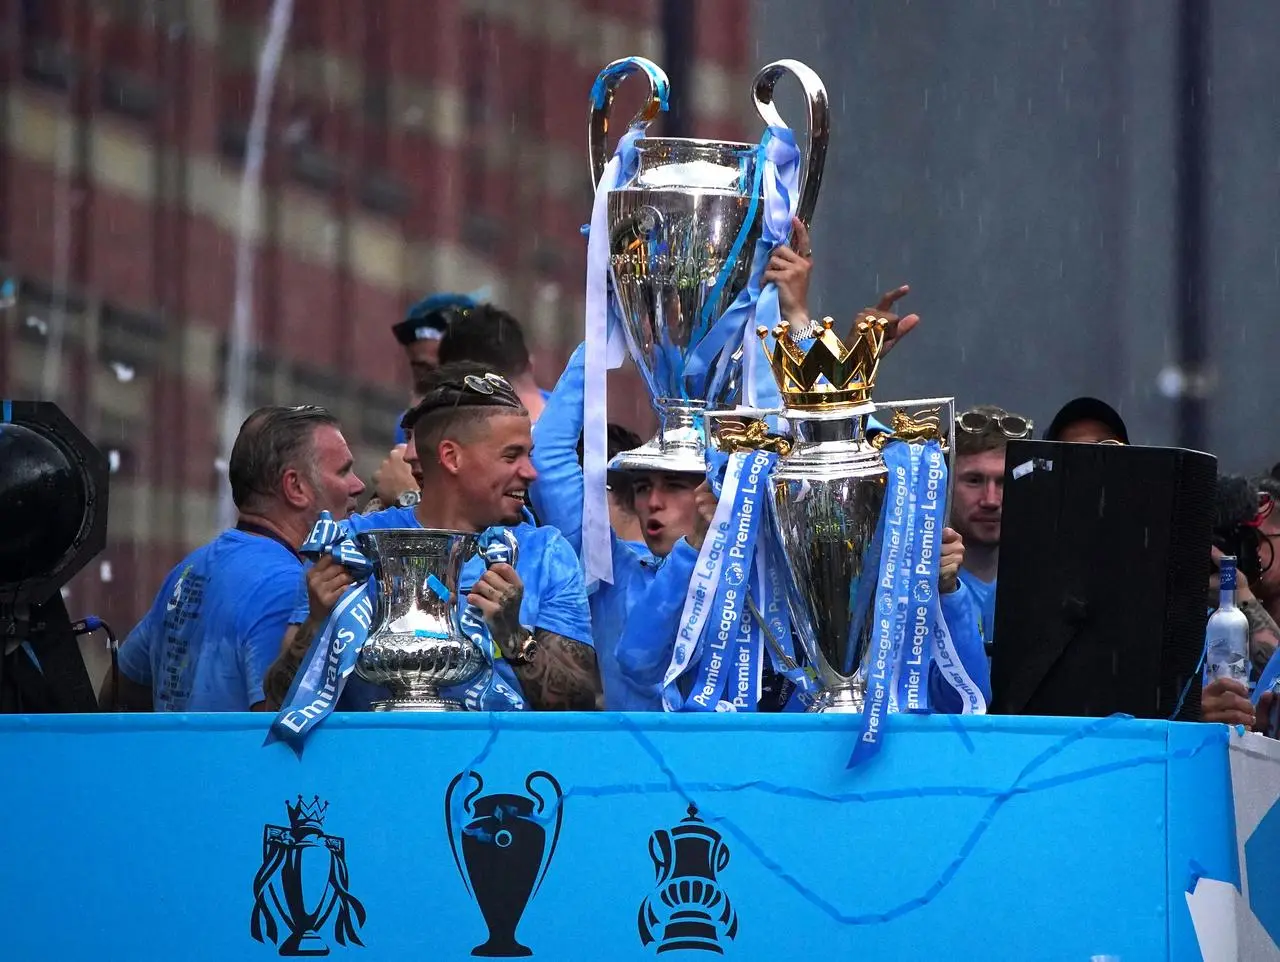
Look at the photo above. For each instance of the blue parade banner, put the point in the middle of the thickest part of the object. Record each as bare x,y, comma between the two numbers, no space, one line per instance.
586,836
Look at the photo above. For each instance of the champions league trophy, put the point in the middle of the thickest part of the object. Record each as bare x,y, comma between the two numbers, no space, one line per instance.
416,646
682,232
829,490
503,845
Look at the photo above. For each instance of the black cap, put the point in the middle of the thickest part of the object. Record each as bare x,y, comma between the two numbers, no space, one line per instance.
1087,409
428,319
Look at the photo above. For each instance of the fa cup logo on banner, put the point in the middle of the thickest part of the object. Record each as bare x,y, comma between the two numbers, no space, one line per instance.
687,908
303,882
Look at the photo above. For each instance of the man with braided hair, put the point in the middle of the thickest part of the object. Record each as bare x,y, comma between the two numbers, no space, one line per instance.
469,448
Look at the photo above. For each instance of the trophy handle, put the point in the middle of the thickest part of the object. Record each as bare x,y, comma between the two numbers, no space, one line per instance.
452,829
558,795
819,124
602,92
662,854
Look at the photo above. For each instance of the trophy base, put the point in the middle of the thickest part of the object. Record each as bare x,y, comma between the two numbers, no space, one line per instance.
418,703
679,447
306,944
840,701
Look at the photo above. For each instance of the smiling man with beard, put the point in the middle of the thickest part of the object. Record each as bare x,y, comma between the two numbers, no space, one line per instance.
469,449
981,438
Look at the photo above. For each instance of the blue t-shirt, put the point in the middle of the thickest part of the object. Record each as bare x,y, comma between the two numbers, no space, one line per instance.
216,625
984,593
557,497
555,600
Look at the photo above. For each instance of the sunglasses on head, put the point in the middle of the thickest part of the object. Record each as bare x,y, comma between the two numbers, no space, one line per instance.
487,384
1011,426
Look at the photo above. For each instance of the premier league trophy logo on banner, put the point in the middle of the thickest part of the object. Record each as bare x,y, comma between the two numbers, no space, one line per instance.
416,646
682,219
303,881
503,850
688,909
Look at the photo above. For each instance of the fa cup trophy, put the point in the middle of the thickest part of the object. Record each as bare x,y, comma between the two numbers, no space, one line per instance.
682,234
416,646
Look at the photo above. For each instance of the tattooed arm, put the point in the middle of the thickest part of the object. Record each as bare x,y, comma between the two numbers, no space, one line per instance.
561,676
276,682
326,581
1264,636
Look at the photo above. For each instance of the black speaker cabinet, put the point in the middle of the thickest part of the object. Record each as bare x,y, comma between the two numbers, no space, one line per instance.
1102,595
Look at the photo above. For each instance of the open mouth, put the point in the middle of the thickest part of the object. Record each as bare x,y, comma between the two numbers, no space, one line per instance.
520,496
653,527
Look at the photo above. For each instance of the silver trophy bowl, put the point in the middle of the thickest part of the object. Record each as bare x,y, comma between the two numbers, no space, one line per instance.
682,233
828,495
416,646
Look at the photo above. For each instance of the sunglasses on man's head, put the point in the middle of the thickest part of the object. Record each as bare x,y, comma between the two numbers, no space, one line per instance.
1010,425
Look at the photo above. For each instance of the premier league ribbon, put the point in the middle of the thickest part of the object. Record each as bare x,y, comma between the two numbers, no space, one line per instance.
928,502
718,589
954,673
902,590
331,657
890,586
732,627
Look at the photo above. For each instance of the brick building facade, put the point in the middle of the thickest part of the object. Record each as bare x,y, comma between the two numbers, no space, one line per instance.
413,147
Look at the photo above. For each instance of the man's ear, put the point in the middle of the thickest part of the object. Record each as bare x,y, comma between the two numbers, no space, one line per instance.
296,489
449,456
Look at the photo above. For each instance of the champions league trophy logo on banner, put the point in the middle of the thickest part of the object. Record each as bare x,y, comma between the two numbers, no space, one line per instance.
687,908
503,851
303,882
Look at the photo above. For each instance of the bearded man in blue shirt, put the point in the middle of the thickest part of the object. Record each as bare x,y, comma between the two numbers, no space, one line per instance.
215,626
469,448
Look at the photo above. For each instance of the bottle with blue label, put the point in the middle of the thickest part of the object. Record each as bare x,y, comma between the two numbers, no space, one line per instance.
1226,639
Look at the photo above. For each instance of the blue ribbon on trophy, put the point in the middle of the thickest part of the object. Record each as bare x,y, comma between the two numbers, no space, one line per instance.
778,170
331,657
703,584
929,498
890,586
729,649
495,549
902,591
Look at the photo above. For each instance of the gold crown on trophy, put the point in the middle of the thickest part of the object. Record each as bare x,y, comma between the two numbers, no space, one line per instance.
828,374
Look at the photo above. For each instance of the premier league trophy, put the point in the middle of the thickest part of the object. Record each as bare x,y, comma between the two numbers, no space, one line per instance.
829,491
416,646
304,882
682,232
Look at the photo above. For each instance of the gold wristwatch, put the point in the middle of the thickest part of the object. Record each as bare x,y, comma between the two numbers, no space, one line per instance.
522,648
